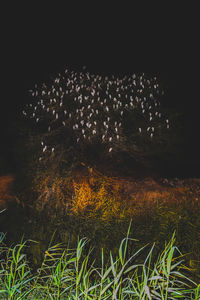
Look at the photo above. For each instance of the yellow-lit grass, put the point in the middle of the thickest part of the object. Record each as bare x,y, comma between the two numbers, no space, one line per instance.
83,197
54,192
105,197
94,195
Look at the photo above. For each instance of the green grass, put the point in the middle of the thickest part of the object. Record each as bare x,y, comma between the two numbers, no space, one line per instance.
71,273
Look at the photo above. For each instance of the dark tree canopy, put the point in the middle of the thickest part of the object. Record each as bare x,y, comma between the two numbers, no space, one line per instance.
84,113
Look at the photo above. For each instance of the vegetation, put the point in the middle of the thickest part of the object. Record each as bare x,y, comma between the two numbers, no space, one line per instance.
100,208
82,117
58,186
71,274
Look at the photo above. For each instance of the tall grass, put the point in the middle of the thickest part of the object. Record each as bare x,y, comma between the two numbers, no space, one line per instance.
70,274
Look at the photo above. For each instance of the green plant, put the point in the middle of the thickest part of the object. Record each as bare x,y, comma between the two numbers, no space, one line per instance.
70,274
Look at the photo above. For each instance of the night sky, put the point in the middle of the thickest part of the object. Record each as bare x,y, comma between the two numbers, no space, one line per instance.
36,46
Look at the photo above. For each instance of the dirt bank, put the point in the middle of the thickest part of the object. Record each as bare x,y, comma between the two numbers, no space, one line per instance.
6,191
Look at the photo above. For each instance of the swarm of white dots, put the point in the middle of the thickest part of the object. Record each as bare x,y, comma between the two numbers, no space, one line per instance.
95,106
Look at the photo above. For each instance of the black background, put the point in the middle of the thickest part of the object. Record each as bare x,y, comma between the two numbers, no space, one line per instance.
38,42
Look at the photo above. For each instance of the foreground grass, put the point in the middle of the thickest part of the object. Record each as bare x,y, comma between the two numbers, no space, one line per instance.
70,274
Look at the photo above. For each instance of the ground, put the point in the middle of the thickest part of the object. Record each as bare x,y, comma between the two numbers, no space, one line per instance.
6,192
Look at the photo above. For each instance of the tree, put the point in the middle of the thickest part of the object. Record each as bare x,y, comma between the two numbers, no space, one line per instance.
83,116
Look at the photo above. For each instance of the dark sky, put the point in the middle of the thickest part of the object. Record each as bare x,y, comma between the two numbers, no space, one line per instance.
36,45
35,59
35,53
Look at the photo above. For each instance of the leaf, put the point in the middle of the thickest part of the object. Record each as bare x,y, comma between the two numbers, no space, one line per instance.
146,288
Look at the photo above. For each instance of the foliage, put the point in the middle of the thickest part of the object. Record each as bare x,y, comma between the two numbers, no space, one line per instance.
88,117
70,274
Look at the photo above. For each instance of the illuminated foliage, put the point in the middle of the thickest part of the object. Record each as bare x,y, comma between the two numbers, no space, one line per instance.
102,197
